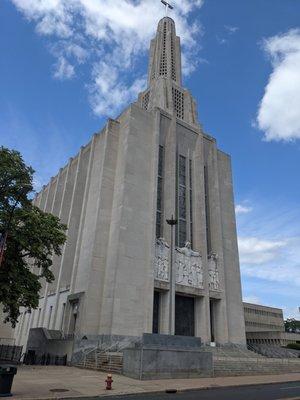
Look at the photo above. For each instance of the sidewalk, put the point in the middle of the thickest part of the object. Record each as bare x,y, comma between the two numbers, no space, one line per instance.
37,382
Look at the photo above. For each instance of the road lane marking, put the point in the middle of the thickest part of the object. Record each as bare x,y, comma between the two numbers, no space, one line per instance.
290,387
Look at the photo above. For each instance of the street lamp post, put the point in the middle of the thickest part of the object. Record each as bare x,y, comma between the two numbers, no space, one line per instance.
172,222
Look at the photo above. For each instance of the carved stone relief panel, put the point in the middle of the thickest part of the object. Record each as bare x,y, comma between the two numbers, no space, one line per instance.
188,267
213,273
187,264
161,262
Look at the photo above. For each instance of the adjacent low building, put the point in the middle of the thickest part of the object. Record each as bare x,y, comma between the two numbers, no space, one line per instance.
265,325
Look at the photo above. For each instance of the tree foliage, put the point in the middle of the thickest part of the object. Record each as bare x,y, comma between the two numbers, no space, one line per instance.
32,238
294,346
292,325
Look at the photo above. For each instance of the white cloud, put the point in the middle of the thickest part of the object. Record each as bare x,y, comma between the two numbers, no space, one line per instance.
269,248
221,40
106,92
240,209
291,312
279,111
76,51
63,69
113,34
228,31
281,273
257,251
51,16
37,184
252,300
231,29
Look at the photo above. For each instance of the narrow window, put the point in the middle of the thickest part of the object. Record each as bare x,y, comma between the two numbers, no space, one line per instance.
38,318
159,204
49,319
21,328
62,316
207,211
163,61
178,103
19,323
156,306
191,203
28,321
181,195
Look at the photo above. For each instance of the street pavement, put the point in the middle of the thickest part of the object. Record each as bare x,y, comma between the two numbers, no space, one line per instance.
57,382
287,391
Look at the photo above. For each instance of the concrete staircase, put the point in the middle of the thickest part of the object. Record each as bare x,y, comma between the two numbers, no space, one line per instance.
239,361
239,366
102,361
227,361
274,351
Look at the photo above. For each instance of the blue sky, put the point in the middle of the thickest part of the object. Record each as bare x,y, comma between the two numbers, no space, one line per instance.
66,66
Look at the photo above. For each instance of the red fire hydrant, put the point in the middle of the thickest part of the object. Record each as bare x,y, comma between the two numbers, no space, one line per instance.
109,382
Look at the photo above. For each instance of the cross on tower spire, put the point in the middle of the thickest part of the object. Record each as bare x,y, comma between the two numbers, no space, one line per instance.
167,6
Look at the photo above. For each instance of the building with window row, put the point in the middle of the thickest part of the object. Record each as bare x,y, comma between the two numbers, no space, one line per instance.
265,325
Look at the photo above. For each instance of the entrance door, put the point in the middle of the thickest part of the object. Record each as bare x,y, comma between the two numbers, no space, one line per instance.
184,316
155,324
212,319
73,319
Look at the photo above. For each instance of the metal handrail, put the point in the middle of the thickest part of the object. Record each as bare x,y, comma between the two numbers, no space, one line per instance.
272,351
94,349
252,348
121,345
243,351
86,353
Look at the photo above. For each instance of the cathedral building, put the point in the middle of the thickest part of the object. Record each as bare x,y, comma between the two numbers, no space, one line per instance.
125,270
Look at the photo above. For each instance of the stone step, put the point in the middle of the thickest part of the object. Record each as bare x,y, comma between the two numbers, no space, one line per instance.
242,373
261,367
226,369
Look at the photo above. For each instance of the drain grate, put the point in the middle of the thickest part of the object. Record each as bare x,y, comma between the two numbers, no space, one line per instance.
59,390
171,390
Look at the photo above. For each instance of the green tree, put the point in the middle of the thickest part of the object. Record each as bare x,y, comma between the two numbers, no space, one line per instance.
30,238
292,325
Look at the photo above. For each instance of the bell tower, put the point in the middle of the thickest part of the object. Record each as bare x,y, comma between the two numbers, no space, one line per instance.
165,88
165,54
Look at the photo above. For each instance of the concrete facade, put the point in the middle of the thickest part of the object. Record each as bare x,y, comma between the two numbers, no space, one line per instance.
260,318
114,275
265,325
167,356
167,363
6,331
276,338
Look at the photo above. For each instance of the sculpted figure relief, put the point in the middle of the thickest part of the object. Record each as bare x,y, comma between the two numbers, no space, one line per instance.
161,262
187,264
213,273
189,270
